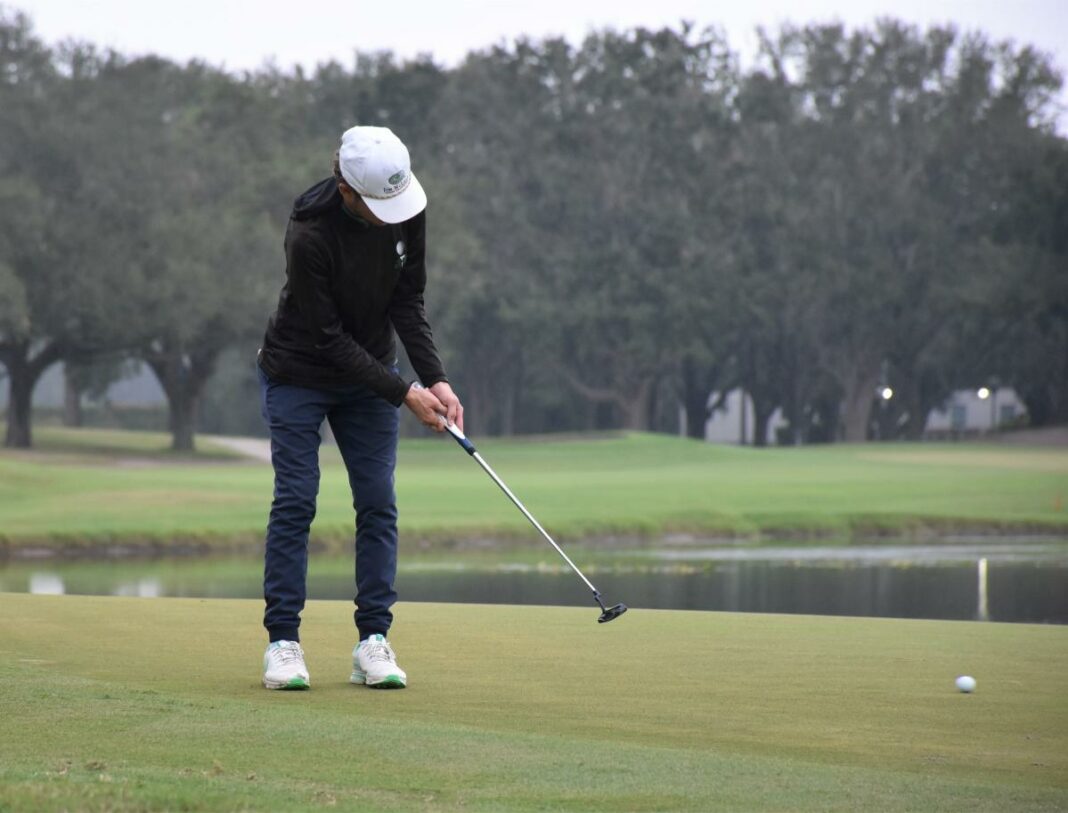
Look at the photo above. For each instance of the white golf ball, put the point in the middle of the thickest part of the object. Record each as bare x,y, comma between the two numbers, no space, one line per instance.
966,683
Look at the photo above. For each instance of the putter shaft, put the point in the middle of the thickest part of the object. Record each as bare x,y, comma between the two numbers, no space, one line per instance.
469,447
534,522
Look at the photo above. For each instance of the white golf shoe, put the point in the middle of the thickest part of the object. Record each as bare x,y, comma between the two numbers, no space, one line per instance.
283,666
375,665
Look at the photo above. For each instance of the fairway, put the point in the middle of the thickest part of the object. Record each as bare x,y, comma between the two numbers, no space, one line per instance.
86,487
132,704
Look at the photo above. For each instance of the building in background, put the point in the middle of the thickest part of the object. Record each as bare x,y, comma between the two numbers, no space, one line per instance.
733,422
968,413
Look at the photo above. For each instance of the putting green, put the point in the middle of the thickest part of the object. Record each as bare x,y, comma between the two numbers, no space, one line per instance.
147,704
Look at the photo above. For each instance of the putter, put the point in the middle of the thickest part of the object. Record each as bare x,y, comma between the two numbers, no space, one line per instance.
607,613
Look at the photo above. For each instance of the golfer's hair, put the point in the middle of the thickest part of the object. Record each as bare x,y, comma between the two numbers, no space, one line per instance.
337,166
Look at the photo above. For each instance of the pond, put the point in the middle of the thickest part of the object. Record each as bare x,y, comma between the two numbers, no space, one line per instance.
1016,582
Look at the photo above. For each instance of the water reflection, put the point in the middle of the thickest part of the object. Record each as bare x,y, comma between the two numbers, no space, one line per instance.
142,588
996,583
983,613
46,584
1013,592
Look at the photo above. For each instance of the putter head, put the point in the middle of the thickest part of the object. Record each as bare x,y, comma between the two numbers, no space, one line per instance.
612,613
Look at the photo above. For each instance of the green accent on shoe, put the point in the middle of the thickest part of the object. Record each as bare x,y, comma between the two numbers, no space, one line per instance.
296,683
389,682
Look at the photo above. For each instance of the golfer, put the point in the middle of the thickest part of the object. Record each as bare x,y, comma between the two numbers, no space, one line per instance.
355,273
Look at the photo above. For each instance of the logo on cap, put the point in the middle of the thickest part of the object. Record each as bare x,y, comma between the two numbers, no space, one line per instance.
396,178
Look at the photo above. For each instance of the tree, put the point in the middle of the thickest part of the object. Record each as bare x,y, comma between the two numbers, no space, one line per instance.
1018,330
37,313
889,129
209,265
615,227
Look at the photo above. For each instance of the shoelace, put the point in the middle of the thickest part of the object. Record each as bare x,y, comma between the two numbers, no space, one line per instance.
288,654
378,651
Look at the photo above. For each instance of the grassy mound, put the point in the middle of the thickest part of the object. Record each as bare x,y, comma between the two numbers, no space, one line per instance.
132,704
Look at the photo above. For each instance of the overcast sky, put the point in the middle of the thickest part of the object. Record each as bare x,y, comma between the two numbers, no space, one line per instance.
242,34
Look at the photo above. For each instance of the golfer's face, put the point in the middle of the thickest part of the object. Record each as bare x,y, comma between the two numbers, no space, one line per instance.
366,213
356,204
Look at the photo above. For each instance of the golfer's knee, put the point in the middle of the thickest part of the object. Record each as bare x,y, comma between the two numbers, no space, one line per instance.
295,503
375,496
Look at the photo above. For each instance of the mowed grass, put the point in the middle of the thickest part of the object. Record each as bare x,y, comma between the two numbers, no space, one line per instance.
155,704
83,487
80,443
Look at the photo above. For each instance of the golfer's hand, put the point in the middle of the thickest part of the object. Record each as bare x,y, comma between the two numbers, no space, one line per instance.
455,413
426,406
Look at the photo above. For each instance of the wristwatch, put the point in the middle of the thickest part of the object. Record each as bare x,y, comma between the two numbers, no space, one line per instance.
416,386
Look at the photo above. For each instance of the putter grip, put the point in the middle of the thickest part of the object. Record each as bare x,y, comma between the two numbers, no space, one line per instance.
461,438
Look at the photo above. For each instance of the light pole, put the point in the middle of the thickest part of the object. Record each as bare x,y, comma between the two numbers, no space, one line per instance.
885,393
991,392
994,384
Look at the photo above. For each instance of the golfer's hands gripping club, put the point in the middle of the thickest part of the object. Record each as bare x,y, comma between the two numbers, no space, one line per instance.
454,410
426,406
434,406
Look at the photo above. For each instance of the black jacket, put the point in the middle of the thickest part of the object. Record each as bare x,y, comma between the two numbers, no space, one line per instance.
349,285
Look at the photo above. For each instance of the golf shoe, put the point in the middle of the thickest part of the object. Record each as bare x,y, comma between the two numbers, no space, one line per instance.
375,665
283,666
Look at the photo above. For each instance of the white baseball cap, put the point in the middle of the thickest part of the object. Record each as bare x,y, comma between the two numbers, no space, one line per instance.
375,163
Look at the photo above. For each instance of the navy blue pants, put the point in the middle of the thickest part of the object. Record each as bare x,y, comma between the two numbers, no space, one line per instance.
365,427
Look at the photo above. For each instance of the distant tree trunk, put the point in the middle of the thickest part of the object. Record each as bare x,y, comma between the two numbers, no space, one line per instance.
182,377
19,409
472,401
506,406
183,421
1060,389
795,396
1047,403
762,412
72,400
792,413
666,416
638,408
23,371
695,407
652,405
510,401
857,403
912,407
695,392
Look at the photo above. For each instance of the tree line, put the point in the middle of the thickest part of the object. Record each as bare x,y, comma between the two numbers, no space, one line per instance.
617,228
